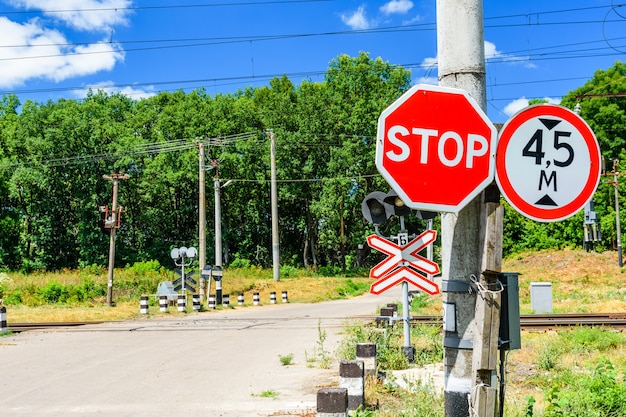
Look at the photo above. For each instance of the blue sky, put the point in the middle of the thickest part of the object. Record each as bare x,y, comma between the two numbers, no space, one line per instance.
59,48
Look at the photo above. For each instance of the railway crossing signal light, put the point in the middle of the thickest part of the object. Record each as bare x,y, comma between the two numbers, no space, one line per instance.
374,208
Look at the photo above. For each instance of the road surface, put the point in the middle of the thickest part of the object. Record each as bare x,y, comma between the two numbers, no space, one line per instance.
216,363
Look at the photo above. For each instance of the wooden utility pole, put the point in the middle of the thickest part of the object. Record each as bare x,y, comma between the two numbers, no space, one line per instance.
112,222
201,219
471,243
618,227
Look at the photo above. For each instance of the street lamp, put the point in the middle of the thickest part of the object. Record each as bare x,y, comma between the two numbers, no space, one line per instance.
183,257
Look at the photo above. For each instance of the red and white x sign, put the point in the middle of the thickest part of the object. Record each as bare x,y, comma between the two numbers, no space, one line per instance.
396,267
404,274
403,255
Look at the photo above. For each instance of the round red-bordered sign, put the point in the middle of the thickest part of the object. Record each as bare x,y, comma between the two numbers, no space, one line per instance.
548,162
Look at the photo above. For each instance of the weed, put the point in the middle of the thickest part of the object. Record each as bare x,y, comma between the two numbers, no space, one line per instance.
270,393
286,359
548,357
530,405
321,356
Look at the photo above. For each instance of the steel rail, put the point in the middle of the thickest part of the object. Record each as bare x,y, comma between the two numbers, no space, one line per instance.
527,321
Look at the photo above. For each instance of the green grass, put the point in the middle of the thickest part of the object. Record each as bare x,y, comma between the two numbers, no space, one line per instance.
267,394
286,360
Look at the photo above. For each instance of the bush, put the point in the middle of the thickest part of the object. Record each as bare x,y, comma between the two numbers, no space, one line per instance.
145,267
240,263
53,293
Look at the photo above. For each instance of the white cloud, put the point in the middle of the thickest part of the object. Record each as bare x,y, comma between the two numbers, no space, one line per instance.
515,106
30,51
356,20
85,15
110,88
520,103
492,53
396,7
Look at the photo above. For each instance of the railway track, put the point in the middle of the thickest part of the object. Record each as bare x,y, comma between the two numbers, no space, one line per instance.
528,321
22,327
550,321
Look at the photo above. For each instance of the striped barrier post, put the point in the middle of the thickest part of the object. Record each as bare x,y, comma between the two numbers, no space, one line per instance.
143,304
196,302
332,402
182,302
285,297
226,300
273,297
240,299
3,320
256,299
351,377
212,301
366,352
163,303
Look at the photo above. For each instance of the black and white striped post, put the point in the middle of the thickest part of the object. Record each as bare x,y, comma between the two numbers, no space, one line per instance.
182,302
196,302
163,303
226,300
240,299
256,299
212,301
351,377
3,320
366,352
273,297
285,297
332,402
143,304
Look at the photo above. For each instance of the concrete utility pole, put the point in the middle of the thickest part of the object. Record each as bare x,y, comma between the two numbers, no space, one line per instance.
471,243
112,221
274,203
218,229
201,219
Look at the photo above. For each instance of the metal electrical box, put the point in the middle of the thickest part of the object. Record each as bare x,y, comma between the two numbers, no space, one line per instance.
510,335
541,297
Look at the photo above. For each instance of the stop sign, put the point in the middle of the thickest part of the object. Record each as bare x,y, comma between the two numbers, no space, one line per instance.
436,148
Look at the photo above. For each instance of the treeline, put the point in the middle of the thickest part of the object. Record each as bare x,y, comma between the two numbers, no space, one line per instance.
53,157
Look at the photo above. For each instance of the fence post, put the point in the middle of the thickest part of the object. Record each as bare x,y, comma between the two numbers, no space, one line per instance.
182,302
332,402
367,353
351,377
143,304
163,303
3,320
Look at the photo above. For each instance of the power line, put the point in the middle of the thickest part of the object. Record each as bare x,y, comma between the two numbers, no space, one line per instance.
163,7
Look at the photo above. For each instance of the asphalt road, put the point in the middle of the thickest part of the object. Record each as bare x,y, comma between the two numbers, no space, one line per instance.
218,363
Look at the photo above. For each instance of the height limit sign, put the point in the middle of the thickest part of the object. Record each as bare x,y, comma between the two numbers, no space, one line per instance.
547,162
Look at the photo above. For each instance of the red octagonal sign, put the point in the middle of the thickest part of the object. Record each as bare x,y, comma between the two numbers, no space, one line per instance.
436,148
